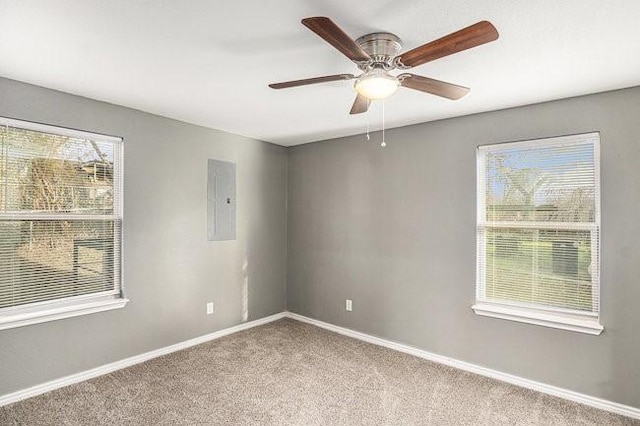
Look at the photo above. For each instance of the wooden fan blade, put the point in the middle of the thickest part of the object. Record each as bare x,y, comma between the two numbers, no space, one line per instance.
360,105
314,80
434,87
472,36
333,35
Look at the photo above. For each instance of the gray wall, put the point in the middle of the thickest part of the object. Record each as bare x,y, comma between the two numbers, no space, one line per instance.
170,269
394,230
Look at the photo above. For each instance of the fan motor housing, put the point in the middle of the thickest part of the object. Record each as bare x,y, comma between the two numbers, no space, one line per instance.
382,47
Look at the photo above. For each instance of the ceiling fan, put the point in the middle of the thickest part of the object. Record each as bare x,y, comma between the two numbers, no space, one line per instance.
376,54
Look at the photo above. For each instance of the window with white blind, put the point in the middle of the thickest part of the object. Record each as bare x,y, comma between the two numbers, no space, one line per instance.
538,232
60,223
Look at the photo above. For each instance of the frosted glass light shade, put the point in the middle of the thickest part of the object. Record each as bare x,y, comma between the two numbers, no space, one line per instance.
376,84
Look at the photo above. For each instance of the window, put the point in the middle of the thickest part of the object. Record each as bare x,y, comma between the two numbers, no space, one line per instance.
60,223
538,232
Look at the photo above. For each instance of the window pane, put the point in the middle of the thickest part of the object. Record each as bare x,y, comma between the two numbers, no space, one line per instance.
547,183
540,267
42,172
52,259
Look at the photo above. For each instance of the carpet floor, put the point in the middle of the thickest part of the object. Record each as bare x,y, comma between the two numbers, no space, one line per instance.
291,373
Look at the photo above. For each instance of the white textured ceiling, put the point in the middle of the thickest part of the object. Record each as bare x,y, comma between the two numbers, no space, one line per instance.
209,62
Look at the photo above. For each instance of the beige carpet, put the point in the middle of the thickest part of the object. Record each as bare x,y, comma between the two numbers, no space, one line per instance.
290,373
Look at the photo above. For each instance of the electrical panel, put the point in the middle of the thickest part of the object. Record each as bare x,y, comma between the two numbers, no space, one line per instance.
221,200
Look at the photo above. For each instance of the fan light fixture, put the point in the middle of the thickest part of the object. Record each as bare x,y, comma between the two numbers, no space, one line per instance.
376,84
376,54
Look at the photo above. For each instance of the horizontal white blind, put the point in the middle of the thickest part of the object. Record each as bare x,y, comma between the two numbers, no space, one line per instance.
538,224
60,215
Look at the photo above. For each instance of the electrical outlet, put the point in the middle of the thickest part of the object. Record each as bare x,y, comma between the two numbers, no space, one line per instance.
209,308
349,306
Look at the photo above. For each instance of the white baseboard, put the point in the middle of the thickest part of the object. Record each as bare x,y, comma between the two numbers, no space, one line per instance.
128,362
599,403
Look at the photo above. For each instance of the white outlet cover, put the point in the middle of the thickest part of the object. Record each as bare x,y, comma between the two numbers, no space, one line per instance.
349,305
209,308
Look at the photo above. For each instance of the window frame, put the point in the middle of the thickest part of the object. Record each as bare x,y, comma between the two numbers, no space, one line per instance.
50,310
560,318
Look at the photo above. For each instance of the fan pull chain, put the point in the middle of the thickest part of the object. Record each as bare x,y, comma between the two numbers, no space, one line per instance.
383,144
368,137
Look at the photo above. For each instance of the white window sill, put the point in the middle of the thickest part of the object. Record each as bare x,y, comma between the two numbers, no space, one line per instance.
582,324
34,315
